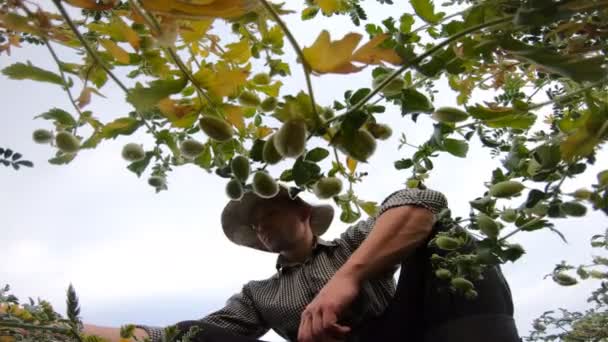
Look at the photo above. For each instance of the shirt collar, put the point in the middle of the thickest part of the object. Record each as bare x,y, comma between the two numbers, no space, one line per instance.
282,263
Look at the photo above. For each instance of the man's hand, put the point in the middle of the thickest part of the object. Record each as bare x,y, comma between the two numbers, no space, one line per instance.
318,322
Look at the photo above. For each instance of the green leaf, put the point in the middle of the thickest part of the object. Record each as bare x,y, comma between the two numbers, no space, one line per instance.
60,116
93,140
145,98
298,107
574,66
21,71
403,164
484,113
522,121
204,159
62,159
359,95
310,12
348,215
405,23
426,10
165,137
140,166
287,175
305,172
413,101
317,154
121,126
370,208
458,148
257,150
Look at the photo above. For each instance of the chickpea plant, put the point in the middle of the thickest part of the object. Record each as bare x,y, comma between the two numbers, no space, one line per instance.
215,100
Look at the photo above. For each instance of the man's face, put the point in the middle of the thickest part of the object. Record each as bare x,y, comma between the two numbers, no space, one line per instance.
280,226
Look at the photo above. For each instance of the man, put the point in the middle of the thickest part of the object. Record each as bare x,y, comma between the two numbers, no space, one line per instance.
344,290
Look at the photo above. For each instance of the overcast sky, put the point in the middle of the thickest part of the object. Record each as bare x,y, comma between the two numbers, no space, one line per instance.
139,257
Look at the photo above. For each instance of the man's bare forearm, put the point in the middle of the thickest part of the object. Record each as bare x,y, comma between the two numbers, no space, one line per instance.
396,233
111,334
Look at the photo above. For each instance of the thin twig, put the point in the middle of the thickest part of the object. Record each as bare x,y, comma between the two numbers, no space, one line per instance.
510,234
86,45
66,87
61,73
441,21
567,97
299,52
186,71
194,57
423,56
153,23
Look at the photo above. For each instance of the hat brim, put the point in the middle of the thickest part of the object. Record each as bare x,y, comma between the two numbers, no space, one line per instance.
236,218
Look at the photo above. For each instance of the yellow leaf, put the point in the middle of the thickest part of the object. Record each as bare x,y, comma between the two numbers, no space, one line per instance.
18,23
326,56
116,51
271,90
224,81
329,6
371,53
195,30
351,164
85,96
238,52
262,132
234,115
181,116
129,34
200,9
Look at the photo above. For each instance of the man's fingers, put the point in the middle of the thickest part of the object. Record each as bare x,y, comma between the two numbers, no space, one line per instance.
340,330
304,331
317,326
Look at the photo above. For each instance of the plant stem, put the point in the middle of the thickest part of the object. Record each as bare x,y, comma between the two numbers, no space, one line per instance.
186,71
65,81
153,23
61,73
194,57
299,52
441,21
86,45
565,98
97,59
510,234
426,54
34,326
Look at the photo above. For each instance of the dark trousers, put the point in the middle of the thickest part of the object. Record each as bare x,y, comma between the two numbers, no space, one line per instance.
423,310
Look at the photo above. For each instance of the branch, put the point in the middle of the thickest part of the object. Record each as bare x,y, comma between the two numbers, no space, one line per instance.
61,73
86,45
97,59
426,54
567,97
299,52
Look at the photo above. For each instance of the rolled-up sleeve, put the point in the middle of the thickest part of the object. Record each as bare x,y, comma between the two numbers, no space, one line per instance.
429,199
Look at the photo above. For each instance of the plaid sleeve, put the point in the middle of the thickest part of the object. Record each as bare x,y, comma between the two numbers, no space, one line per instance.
239,316
432,200
429,199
